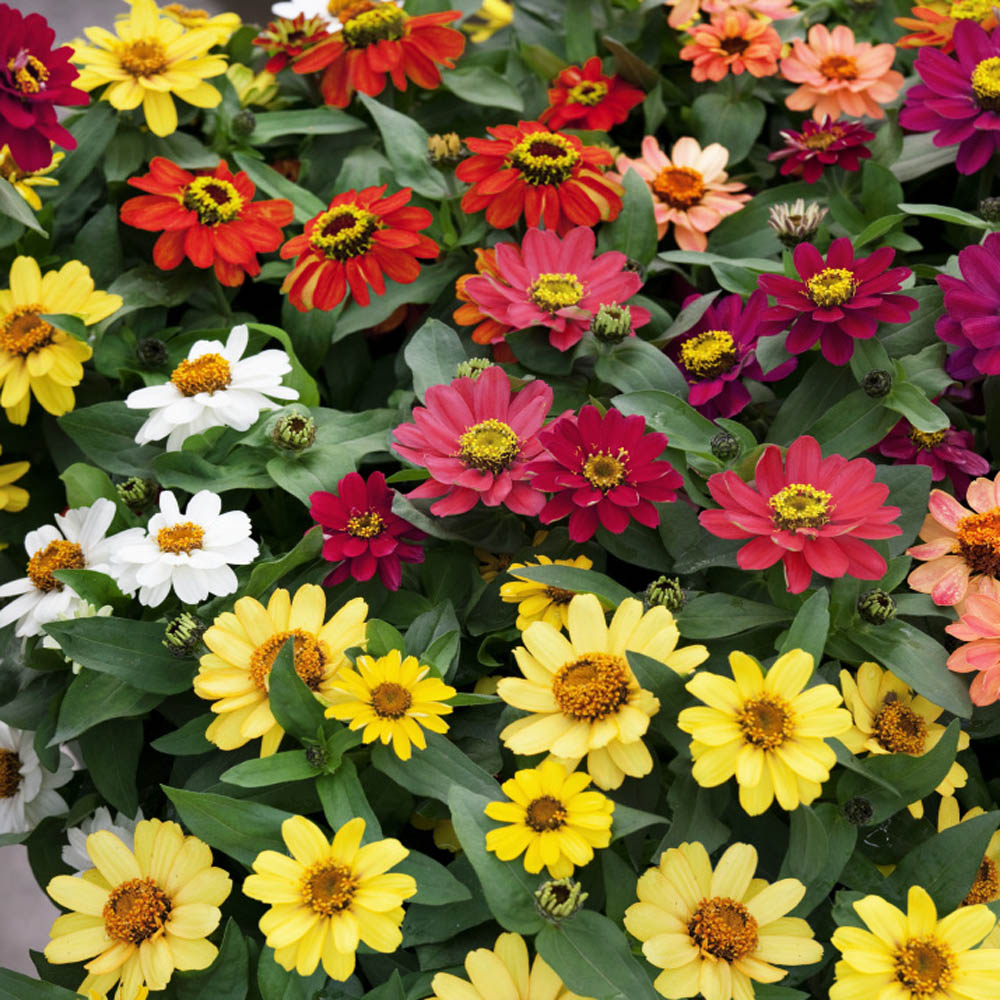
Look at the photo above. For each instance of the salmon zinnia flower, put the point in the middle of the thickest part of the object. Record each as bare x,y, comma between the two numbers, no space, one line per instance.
683,12
731,43
584,98
979,630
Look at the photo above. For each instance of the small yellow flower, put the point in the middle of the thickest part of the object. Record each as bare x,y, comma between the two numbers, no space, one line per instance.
986,887
24,182
13,498
493,16
551,820
537,602
224,25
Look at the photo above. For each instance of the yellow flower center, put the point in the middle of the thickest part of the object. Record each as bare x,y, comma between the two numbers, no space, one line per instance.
723,928
986,83
328,887
588,93
765,721
10,774
214,200
391,700
924,966
181,539
832,286
545,813
208,373
709,354
366,525
544,158
136,911
311,655
386,22
56,555
559,596
344,232
899,729
679,187
189,17
143,57
838,67
800,505
926,441
553,292
970,10
592,687
22,332
30,74
820,140
979,541
605,471
490,445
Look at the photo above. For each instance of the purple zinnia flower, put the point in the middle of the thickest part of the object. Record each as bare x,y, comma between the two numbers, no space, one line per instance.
947,453
818,146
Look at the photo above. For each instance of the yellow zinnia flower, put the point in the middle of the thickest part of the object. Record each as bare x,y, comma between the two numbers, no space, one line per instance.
142,993
583,696
36,357
151,58
13,498
224,25
23,181
986,887
391,698
327,897
243,645
915,956
552,821
537,602
767,731
714,932
493,16
142,912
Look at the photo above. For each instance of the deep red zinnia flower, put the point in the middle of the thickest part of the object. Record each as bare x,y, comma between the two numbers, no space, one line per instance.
946,453
585,98
603,470
527,170
809,512
208,217
378,38
359,241
361,533
34,78
284,39
837,300
820,145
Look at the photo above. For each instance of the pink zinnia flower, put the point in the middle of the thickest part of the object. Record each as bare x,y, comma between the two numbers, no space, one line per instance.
839,76
946,453
820,145
475,440
555,282
979,627
361,533
603,471
731,43
809,512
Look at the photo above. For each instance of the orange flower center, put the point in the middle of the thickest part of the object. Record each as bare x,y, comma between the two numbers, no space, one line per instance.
709,354
723,928
899,729
800,505
366,525
986,83
838,67
181,539
10,774
545,813
926,441
59,554
679,187
328,887
588,93
311,657
214,200
23,332
605,471
986,888
490,445
734,46
592,687
553,292
379,23
391,700
206,373
924,966
979,542
344,232
765,721
544,158
143,58
136,911
821,140
30,74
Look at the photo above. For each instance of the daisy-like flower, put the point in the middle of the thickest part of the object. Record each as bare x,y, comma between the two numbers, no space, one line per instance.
27,788
604,471
934,22
915,955
684,12
224,25
835,300
78,540
359,241
476,438
823,144
979,629
140,913
555,283
946,453
809,512
74,852
487,329
689,188
24,182
537,602
287,38
390,699
329,896
583,698
493,16
361,534
733,42
243,645
37,358
209,217
533,172
839,76
767,731
986,886
716,932
584,98
215,386
13,498
551,819
191,554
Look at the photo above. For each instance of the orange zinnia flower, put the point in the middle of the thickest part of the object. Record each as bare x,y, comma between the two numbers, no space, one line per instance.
934,22
488,330
731,43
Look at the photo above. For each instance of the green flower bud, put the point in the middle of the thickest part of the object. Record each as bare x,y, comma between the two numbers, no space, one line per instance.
137,493
665,591
243,123
294,432
612,324
316,757
858,811
558,899
183,634
877,383
989,209
151,352
472,368
876,606
725,447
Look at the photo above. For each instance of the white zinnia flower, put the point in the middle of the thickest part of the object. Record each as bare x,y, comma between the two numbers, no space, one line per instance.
78,541
27,789
191,552
215,387
75,853
84,610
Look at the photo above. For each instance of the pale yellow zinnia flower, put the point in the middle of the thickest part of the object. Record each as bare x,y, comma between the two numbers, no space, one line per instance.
13,498
538,602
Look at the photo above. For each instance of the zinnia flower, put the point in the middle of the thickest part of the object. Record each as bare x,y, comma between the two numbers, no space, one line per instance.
583,698
532,171
13,498
986,887
286,38
488,330
979,629
330,895
689,188
476,438
27,787
224,25
820,145
24,182
715,933
684,12
946,453
492,16
359,241
584,98
604,471
934,22
537,602
732,42
836,299
74,852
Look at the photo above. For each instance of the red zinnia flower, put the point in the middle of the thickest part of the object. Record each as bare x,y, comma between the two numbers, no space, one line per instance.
361,239
946,453
476,440
210,218
488,330
361,533
810,512
286,38
528,170
587,99
34,78
603,471
820,145
378,38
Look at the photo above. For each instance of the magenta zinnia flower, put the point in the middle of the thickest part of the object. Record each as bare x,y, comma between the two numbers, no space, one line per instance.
361,533
603,470
979,627
946,453
820,145
809,512
475,440
837,300
555,282
717,355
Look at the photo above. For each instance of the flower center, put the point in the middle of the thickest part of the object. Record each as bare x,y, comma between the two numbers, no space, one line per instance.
490,445
800,505
592,687
899,729
391,700
723,928
926,441
986,888
553,292
605,471
56,555
979,541
214,200
142,58
22,332
311,655
545,813
823,139
181,539
734,46
709,354
366,525
970,10
588,93
10,774
207,373
328,887
29,73
832,286
679,187
986,83
544,158
386,22
765,721
136,910
344,232
924,966
559,596
837,67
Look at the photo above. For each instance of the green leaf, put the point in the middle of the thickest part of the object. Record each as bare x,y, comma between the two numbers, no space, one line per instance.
94,697
436,770
289,765
909,401
820,844
852,425
820,389
876,229
97,588
736,123
275,983
15,207
710,616
480,85
188,471
92,130
579,581
189,740
267,572
343,797
436,886
383,637
810,626
323,120
920,156
634,364
227,978
534,351
105,433
432,354
296,708
633,232
684,426
626,820
111,753
306,204
14,986
946,214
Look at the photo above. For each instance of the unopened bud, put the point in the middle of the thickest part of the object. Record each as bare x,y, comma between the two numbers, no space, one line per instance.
472,368
151,352
137,493
725,447
612,324
796,222
665,592
446,148
876,606
877,383
243,123
558,899
316,757
183,634
294,432
858,811
989,209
